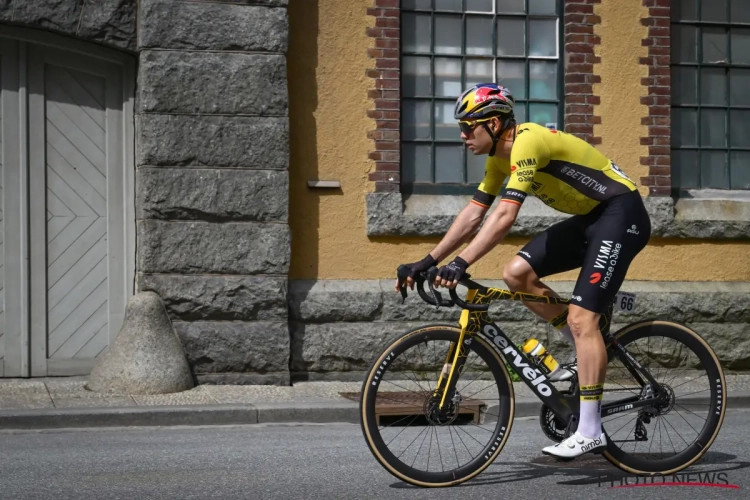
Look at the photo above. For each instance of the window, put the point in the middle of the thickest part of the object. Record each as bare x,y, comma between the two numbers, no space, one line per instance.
449,45
710,94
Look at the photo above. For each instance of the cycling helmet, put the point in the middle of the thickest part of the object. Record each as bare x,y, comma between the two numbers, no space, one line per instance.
486,100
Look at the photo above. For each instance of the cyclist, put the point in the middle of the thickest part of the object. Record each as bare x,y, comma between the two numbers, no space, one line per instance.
608,228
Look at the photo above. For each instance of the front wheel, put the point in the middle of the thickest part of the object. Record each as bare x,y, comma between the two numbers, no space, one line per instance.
404,425
674,432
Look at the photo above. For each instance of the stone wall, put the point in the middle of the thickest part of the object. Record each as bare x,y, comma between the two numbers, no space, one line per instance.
212,181
109,22
339,327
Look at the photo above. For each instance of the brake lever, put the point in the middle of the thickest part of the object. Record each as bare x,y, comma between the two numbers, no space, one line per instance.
402,273
437,297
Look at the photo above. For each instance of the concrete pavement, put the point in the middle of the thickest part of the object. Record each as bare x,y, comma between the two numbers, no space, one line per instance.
66,402
322,462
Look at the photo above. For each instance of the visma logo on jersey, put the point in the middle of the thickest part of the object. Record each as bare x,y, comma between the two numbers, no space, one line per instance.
536,377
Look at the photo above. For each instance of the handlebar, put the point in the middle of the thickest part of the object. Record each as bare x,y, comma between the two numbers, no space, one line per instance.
437,299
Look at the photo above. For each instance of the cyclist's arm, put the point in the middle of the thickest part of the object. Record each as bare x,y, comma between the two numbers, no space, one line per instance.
529,153
470,218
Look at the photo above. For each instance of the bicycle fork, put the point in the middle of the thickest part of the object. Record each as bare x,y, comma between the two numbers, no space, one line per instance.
453,365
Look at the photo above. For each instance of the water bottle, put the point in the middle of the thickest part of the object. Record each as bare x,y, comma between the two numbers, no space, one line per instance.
539,355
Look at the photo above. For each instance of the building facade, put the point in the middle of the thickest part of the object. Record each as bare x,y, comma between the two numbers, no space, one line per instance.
178,146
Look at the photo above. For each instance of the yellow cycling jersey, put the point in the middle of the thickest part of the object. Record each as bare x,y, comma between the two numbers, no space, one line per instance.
563,171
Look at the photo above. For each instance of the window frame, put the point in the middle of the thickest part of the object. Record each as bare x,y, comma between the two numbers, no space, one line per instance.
699,24
464,187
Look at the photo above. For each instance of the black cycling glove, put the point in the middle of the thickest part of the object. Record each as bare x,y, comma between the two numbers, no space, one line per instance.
453,271
421,266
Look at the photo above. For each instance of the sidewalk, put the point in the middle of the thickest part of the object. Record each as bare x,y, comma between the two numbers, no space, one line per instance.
65,402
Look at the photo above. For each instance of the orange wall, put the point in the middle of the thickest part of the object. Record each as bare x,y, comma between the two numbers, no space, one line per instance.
328,133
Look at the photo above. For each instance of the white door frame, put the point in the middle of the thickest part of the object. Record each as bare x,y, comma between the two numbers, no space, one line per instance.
24,153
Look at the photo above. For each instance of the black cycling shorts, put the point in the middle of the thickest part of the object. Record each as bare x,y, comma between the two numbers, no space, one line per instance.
602,243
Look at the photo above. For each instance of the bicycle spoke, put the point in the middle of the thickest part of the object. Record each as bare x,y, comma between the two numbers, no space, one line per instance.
458,428
462,442
424,364
420,447
618,430
402,430
668,437
672,426
429,450
691,393
675,387
692,413
450,433
440,455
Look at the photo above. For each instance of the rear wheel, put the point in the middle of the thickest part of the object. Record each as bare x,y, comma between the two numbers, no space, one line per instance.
403,424
674,432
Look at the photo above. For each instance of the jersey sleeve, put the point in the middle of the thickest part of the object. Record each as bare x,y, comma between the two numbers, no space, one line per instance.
490,186
529,153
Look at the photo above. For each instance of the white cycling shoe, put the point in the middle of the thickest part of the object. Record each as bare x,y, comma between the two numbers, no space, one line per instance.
575,446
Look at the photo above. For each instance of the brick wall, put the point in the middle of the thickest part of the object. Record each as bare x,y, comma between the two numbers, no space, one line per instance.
385,95
659,180
579,119
580,40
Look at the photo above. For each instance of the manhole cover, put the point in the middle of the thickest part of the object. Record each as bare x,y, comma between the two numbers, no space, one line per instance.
403,404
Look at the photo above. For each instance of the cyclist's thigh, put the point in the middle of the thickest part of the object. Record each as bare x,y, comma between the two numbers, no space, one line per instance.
615,239
560,248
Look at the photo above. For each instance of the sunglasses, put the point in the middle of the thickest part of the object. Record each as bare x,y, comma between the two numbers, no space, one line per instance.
468,127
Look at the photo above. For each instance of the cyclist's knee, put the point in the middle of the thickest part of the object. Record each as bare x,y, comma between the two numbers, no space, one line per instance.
518,275
582,322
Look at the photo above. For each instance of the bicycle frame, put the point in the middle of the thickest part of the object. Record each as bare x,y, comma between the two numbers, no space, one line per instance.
563,405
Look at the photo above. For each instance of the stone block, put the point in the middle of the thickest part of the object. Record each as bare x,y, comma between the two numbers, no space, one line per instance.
191,298
345,347
206,248
217,141
212,83
146,357
415,309
661,212
223,194
111,22
271,378
340,346
6,10
690,307
334,300
268,3
54,15
169,24
233,347
730,342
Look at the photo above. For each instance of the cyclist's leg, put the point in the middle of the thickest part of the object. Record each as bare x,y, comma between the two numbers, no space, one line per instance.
619,234
558,249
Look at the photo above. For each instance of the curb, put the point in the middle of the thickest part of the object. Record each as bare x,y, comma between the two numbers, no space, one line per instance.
260,413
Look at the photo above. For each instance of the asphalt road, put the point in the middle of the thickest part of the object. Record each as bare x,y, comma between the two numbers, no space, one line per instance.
314,462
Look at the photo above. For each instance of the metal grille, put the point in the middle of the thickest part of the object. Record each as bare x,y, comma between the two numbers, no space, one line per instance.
449,45
710,42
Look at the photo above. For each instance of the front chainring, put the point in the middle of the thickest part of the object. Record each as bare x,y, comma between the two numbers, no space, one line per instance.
552,426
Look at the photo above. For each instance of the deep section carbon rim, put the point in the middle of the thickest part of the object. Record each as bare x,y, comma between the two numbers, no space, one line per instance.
672,433
405,427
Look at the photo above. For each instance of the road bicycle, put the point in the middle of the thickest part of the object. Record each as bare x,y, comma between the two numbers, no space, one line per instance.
437,405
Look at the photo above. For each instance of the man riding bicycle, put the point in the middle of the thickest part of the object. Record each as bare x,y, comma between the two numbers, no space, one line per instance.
608,228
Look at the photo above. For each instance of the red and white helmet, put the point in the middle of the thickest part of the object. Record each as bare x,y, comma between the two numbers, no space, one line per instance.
483,101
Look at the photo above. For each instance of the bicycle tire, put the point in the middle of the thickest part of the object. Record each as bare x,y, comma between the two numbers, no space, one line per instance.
634,464
368,418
